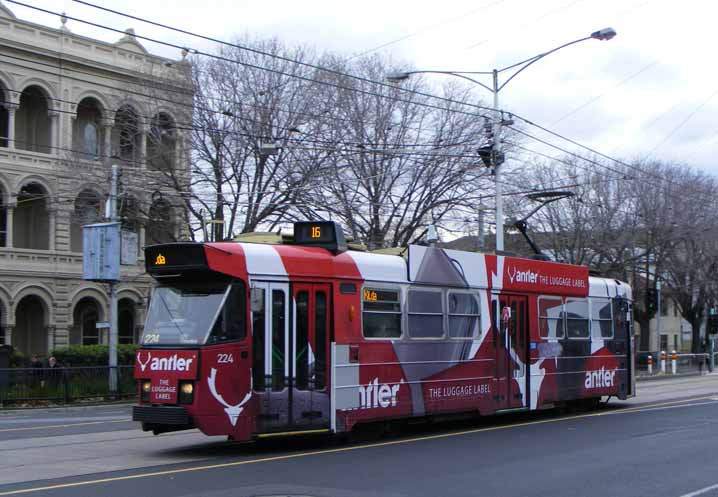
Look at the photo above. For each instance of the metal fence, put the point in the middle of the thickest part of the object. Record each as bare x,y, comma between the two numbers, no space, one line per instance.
668,364
22,385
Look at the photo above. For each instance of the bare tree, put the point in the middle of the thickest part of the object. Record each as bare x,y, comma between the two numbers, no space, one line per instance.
248,110
399,160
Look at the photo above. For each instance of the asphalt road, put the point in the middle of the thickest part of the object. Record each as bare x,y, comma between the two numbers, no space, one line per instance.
661,444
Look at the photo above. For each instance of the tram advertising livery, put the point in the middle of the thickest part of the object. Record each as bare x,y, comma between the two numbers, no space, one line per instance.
307,336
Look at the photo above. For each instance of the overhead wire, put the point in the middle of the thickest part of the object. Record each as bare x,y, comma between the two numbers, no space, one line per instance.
523,119
190,106
527,121
389,86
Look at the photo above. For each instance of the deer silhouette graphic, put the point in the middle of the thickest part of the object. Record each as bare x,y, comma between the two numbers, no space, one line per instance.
233,412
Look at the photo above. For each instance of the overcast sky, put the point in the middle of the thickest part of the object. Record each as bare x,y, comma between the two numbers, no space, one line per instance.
651,92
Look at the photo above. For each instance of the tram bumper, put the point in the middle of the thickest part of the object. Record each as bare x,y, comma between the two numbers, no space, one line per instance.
162,419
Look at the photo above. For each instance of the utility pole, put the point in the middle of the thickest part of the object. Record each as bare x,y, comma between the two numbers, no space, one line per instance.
496,162
113,286
658,313
481,229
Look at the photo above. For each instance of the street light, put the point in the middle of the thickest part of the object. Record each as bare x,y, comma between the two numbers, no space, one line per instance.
493,153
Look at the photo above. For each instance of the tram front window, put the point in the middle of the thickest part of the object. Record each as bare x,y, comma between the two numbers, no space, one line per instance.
184,314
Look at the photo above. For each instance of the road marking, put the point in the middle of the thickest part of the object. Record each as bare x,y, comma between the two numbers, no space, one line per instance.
69,425
351,448
654,406
701,491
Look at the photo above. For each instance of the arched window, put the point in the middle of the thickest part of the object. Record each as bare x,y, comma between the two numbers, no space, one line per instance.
85,316
127,134
31,222
32,122
87,211
160,223
126,321
4,119
161,143
87,139
30,334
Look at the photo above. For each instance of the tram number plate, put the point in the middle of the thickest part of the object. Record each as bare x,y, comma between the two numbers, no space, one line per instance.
225,358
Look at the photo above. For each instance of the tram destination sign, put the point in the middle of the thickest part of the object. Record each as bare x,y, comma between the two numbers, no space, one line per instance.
174,257
323,234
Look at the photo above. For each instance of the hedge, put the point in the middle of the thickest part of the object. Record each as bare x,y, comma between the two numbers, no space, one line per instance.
94,355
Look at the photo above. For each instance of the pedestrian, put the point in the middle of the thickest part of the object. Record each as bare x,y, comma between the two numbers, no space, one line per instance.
36,369
54,370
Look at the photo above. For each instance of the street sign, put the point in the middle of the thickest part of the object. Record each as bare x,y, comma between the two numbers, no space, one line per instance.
101,252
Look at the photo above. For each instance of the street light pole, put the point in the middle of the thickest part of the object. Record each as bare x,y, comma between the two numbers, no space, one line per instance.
497,167
495,152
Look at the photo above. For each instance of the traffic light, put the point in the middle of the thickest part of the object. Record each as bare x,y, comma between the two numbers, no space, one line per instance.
490,156
651,300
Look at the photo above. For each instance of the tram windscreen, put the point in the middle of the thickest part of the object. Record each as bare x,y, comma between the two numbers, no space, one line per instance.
183,314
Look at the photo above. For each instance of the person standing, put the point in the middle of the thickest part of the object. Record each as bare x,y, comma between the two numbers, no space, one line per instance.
35,369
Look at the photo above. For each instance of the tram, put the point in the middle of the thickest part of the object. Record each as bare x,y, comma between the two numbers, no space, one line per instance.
255,340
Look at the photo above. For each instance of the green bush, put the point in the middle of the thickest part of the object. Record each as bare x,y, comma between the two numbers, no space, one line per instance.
18,359
94,355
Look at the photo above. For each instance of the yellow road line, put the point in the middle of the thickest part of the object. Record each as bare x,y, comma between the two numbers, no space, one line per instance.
69,425
341,449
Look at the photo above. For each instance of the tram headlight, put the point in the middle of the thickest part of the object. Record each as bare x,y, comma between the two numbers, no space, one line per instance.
145,394
186,392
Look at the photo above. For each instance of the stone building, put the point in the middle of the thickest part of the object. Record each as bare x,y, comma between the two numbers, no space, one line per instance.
71,106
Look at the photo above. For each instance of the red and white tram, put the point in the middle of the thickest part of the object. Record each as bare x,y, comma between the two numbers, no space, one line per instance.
251,340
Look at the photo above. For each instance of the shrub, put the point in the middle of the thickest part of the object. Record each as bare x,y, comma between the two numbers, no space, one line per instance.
94,355
18,359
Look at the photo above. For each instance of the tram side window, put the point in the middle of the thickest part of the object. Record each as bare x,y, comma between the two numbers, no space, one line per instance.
426,314
301,353
320,340
576,318
621,318
231,322
551,324
601,319
278,336
464,315
258,312
381,313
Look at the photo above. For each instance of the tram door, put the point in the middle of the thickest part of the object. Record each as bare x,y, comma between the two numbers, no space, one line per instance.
290,342
512,352
270,352
310,352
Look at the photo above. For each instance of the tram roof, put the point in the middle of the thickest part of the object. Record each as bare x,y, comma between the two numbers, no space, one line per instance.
424,265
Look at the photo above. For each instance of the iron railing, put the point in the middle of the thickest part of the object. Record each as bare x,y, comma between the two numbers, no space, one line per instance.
63,385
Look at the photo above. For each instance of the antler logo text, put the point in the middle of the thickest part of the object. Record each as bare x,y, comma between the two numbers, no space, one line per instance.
527,276
378,395
144,364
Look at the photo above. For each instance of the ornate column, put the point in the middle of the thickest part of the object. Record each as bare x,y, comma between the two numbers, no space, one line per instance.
51,344
107,136
11,110
141,236
10,214
71,142
8,334
52,218
143,146
54,131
